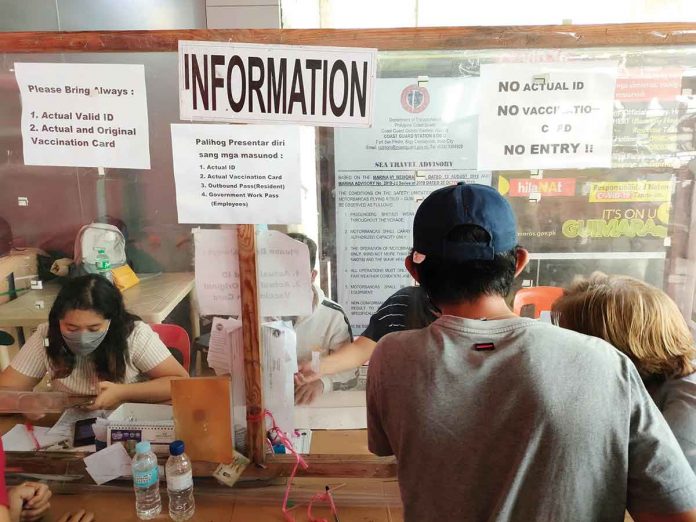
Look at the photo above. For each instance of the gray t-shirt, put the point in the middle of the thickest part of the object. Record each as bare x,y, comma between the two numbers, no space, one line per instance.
549,424
676,399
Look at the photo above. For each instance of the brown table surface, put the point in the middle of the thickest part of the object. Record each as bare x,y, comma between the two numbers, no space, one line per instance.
360,500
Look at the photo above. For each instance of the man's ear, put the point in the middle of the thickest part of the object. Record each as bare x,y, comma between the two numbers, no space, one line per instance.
411,267
314,275
522,260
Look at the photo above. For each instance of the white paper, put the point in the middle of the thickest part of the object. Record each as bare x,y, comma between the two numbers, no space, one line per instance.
341,410
283,267
224,335
18,439
232,174
65,426
217,271
279,343
546,115
424,138
426,127
327,86
84,115
284,275
108,464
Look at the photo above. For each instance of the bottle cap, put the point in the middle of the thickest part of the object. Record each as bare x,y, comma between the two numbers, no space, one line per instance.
142,446
176,448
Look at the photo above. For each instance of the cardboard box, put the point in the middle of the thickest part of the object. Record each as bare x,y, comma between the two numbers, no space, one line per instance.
130,423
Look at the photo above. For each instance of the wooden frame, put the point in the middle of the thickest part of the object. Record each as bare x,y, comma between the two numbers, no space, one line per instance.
407,39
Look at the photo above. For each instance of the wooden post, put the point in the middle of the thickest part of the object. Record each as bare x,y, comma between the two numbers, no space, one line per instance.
246,237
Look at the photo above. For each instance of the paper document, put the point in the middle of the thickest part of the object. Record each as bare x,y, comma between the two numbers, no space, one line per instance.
18,438
279,343
108,464
66,424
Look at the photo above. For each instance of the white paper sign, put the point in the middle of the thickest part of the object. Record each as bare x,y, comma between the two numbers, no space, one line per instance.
252,83
285,286
546,115
217,272
424,138
84,115
237,174
284,274
279,366
419,126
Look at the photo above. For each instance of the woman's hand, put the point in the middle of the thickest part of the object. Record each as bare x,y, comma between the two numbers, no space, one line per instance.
29,501
110,395
80,516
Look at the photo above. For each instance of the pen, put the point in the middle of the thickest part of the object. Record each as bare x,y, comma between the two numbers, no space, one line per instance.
331,503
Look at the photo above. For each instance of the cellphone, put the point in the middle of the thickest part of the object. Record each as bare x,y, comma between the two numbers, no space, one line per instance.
84,434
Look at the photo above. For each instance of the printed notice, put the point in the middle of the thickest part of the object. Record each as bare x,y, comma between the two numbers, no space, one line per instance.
232,174
546,116
84,115
423,138
261,83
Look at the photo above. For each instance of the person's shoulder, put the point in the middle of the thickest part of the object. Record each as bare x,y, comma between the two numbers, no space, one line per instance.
142,332
569,342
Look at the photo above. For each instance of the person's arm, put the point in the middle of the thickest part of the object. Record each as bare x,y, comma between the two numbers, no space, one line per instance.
347,357
11,379
157,389
28,367
377,440
661,485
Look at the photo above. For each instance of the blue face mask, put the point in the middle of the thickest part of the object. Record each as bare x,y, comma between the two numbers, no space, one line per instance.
84,343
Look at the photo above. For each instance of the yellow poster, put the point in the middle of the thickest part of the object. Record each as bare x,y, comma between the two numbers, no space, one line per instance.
630,191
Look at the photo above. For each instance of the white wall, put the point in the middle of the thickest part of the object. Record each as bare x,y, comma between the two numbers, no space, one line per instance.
243,14
430,13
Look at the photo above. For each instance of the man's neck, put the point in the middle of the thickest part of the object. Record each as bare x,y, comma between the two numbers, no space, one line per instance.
486,307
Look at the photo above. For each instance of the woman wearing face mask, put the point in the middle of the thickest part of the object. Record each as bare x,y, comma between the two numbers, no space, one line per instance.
93,346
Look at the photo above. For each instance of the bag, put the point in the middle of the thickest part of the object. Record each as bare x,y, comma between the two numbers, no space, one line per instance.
98,236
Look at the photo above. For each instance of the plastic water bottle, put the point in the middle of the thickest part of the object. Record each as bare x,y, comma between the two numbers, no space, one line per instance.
148,503
103,264
179,483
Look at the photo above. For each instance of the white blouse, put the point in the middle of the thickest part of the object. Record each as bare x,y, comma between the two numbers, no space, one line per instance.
145,351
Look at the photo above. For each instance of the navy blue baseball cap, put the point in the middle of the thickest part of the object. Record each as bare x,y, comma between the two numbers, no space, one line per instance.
463,204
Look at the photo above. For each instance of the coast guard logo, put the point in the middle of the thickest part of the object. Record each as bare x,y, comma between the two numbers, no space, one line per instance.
415,98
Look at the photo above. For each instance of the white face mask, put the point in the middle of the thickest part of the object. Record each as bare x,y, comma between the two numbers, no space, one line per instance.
84,343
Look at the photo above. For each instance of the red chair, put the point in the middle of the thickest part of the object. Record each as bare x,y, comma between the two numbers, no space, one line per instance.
177,340
530,302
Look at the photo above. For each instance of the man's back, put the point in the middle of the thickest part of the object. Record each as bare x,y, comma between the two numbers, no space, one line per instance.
520,420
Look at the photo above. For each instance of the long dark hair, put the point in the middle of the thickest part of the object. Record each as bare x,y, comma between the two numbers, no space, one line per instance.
91,292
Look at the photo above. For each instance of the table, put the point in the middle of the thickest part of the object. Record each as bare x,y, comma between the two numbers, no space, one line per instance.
153,299
361,500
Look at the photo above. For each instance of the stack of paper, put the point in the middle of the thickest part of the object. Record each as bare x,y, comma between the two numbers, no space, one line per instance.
19,439
108,464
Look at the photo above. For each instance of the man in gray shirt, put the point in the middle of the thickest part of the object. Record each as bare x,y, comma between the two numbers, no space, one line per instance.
493,417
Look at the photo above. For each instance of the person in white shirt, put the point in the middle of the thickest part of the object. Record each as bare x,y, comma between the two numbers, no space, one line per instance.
325,330
92,346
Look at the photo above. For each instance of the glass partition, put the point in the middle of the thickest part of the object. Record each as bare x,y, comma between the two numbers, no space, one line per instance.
361,187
